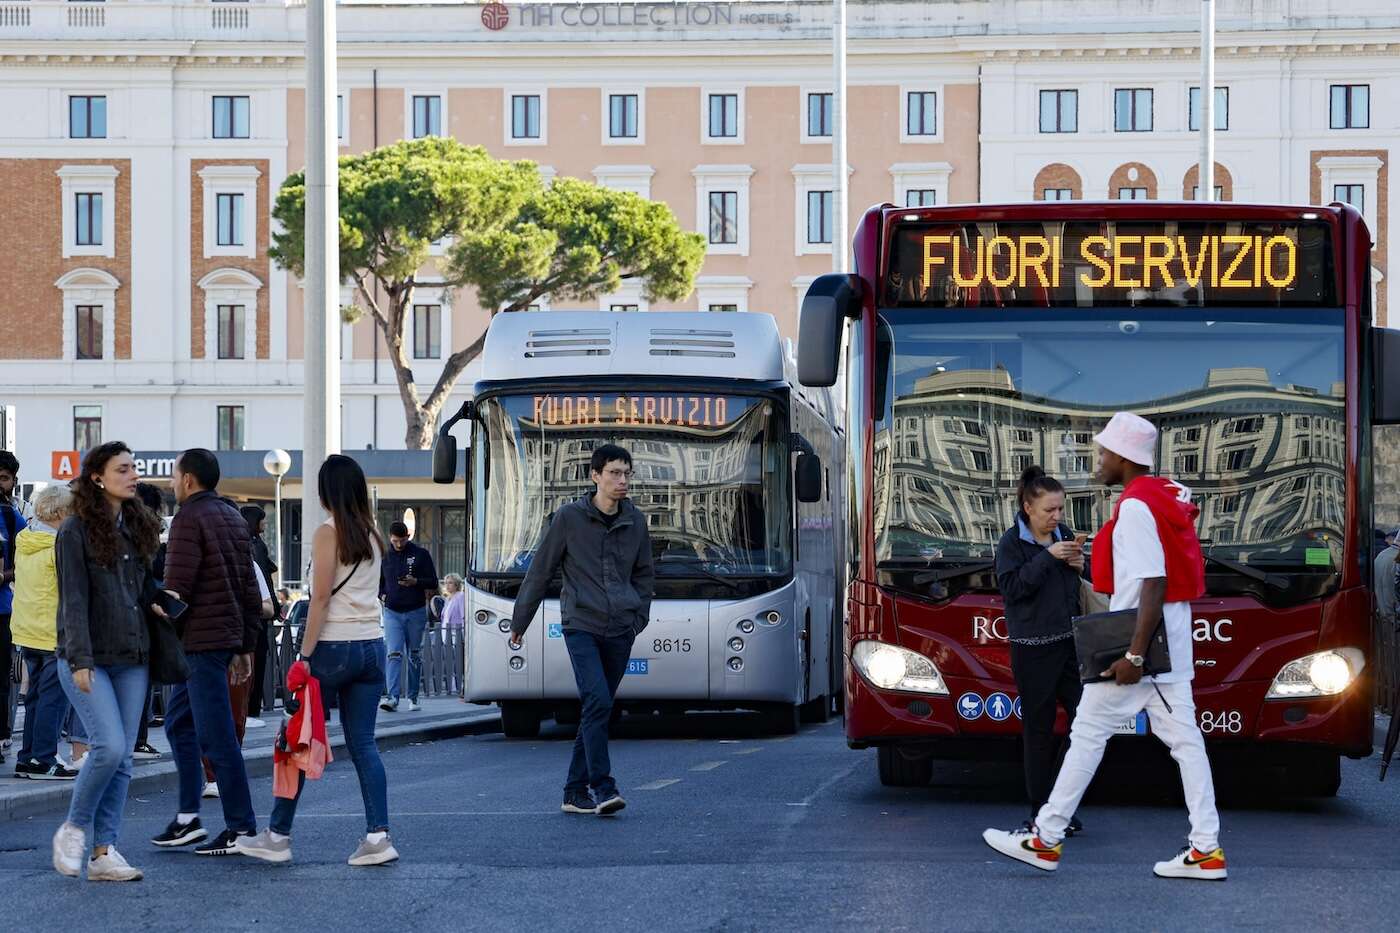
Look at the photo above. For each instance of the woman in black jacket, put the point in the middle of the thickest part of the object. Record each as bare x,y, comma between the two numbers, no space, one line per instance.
103,557
1039,561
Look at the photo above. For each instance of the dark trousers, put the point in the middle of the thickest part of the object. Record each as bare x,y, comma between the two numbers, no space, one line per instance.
7,653
200,721
1046,676
45,706
599,665
257,690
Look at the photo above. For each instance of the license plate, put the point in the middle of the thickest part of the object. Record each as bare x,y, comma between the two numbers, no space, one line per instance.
1135,726
638,665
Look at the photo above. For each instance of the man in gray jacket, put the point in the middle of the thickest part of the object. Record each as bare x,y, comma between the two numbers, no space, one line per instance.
601,544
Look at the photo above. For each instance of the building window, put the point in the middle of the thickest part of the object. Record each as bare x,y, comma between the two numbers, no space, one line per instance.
624,307
87,117
230,117
1188,463
724,217
1351,107
1219,192
427,115
427,332
340,116
819,114
1355,195
921,117
231,334
1132,194
622,116
230,219
1132,110
1057,194
1221,112
1059,111
230,427
819,216
525,116
724,116
1081,512
88,207
725,308
87,427
89,332
921,197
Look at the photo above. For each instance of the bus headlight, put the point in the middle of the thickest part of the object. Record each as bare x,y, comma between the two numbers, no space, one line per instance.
482,617
503,625
891,667
1324,674
746,626
772,617
736,644
517,663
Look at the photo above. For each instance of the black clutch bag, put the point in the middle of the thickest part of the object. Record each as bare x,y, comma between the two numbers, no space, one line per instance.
1104,637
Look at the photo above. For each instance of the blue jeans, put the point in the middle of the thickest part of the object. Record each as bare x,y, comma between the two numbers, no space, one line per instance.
199,724
111,713
403,631
599,665
353,672
44,708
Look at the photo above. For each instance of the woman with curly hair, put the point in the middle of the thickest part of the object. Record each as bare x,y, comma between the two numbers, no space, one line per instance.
103,557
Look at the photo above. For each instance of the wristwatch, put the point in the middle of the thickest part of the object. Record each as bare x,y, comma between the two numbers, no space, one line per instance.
1136,660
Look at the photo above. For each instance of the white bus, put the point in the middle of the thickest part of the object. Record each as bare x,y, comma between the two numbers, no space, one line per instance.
738,470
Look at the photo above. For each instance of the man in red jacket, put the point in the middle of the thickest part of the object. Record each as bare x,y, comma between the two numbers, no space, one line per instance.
1149,559
209,565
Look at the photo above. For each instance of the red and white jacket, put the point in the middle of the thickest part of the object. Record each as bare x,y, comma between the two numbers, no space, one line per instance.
1175,513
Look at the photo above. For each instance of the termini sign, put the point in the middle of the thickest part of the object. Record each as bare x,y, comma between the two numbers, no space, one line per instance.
65,464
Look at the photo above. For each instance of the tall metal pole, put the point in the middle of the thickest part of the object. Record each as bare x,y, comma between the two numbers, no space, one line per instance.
1207,108
321,408
282,571
840,235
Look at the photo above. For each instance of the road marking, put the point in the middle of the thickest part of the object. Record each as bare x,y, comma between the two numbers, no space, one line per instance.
749,751
708,765
657,785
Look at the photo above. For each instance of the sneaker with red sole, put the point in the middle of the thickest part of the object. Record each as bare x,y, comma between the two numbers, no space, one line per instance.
1193,864
1024,845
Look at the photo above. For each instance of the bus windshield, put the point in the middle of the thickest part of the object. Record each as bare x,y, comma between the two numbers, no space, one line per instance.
709,474
1249,405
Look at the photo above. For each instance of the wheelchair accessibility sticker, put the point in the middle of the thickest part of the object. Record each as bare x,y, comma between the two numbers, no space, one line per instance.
638,665
556,630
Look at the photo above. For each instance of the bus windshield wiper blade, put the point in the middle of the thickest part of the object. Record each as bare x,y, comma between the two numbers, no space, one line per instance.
938,574
694,564
1275,580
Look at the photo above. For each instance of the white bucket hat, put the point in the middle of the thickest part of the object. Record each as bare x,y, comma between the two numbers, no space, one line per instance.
1131,437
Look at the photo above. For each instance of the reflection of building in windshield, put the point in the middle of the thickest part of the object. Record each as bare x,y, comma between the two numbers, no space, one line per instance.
1264,463
706,492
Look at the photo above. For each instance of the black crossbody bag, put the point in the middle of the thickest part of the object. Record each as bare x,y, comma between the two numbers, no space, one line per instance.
1103,638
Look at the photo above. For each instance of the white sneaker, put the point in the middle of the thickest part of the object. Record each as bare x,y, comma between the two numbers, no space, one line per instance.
375,853
211,789
251,723
1024,845
112,867
69,850
413,707
1191,863
263,846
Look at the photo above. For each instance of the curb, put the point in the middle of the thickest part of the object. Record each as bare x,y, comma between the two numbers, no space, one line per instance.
156,778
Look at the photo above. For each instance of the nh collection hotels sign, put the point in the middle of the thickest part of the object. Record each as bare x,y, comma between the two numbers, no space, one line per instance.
500,16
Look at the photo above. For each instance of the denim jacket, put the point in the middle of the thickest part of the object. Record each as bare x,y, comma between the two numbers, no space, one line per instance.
100,619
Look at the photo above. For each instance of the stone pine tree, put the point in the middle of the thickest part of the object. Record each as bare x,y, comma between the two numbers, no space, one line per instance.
515,240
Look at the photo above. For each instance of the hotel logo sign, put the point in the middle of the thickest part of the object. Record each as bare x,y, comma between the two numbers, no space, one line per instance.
497,16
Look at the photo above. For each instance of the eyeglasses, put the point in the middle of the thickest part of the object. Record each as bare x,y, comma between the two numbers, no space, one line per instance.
619,474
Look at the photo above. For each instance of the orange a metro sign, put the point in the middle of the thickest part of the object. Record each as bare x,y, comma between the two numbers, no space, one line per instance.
65,464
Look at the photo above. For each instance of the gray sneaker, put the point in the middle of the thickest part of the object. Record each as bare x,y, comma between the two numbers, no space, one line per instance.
263,846
375,853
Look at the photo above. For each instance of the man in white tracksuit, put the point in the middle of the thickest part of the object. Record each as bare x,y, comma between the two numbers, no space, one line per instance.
1153,559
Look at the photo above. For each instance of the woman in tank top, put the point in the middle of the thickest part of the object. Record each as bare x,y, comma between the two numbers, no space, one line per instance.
345,647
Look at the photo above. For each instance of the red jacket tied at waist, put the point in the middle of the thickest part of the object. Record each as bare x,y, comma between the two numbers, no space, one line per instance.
1175,514
307,748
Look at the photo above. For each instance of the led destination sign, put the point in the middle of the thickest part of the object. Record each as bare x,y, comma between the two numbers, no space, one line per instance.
646,410
1111,263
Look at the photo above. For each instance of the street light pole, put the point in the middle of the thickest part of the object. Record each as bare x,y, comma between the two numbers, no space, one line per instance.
840,238
321,406
278,462
1206,175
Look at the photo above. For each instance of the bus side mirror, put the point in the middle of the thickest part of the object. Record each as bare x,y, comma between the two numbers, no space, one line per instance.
445,449
809,477
1385,382
829,301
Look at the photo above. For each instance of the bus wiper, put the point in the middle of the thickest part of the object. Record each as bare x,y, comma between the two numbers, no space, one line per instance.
939,574
694,563
1277,581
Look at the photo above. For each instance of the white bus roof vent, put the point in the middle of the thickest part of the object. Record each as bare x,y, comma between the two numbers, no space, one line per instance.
576,341
692,341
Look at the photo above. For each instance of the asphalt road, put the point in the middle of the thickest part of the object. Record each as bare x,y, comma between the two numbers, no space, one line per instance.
729,830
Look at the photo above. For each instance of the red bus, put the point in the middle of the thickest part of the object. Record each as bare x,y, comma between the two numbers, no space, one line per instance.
982,339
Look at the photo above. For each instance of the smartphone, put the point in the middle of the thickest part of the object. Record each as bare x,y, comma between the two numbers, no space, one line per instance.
174,608
1081,539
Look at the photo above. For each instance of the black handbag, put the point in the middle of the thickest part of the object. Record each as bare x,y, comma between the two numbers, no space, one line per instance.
167,657
1102,638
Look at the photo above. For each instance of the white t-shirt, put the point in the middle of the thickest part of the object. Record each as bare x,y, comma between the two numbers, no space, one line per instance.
1138,556
263,593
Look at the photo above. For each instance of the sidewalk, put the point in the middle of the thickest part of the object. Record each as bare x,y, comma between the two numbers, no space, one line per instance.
440,718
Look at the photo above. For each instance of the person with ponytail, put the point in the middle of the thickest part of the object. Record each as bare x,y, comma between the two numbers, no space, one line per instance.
345,647
1039,561
103,560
